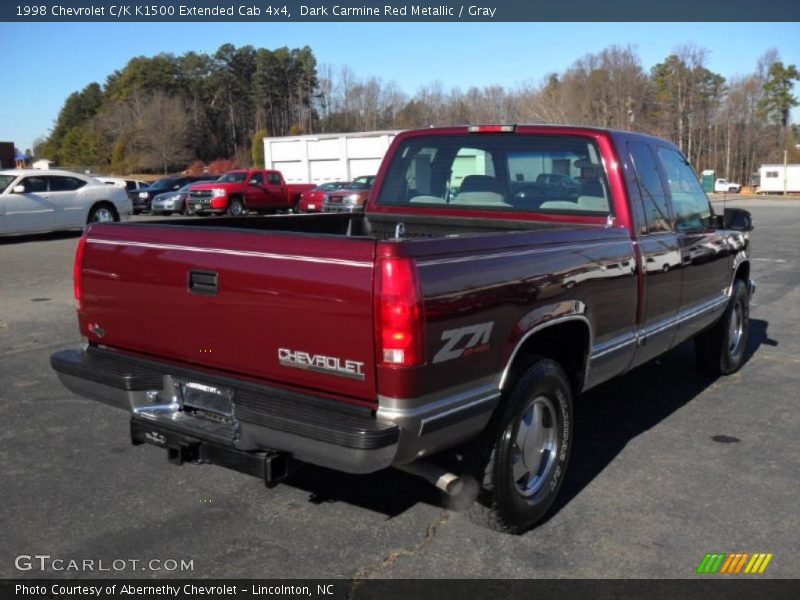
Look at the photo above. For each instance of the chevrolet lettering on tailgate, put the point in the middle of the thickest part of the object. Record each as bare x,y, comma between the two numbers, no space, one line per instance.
332,365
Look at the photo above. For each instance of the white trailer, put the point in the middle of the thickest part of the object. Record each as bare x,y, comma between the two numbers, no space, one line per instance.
772,179
327,156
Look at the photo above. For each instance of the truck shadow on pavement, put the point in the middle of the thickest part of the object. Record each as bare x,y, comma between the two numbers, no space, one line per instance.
606,419
612,414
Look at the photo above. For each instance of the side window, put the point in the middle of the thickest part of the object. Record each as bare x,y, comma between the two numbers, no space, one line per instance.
689,201
257,179
654,196
34,185
65,184
274,178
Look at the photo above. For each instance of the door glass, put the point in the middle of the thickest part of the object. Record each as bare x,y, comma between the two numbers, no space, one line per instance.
654,196
689,201
35,185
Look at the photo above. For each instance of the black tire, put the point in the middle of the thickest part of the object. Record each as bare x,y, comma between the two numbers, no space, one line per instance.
507,502
720,350
102,213
236,208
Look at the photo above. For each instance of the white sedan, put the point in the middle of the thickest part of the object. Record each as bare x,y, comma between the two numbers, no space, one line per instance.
35,201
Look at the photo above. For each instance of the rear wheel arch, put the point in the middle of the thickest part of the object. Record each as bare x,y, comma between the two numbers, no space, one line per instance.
567,341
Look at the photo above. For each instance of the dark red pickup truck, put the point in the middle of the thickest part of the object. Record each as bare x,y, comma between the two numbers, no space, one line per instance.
241,191
464,310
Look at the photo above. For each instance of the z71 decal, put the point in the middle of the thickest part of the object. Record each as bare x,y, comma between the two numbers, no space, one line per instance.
464,341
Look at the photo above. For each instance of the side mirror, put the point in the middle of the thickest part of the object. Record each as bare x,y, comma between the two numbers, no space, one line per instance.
738,219
19,189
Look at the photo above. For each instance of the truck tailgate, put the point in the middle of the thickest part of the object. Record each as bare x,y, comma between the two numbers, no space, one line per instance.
290,308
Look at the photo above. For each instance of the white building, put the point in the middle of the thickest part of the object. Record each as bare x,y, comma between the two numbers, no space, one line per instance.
327,156
43,164
774,179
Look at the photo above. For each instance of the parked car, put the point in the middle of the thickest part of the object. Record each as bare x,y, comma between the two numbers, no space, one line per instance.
443,336
241,191
143,198
352,198
312,200
130,185
725,186
33,200
170,202
368,180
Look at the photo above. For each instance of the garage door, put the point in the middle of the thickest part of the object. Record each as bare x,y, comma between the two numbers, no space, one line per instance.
293,171
364,166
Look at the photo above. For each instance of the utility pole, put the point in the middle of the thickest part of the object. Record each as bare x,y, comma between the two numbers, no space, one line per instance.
785,170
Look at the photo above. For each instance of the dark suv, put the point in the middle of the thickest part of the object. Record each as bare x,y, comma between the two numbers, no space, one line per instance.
142,198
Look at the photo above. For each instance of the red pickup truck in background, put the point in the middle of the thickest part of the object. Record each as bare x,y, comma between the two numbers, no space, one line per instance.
444,331
241,191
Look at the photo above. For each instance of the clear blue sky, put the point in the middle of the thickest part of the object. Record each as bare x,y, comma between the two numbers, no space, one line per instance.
44,63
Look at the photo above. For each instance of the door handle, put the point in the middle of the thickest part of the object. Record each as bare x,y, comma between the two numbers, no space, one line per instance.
203,282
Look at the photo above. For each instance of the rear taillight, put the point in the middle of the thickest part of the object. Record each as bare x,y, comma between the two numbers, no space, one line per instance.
77,272
399,318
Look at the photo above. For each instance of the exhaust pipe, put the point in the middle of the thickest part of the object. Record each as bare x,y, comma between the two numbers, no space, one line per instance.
443,479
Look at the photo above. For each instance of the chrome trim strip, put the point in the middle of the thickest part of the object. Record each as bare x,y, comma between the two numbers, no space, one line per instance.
681,317
643,333
613,345
414,419
427,420
269,255
390,408
460,259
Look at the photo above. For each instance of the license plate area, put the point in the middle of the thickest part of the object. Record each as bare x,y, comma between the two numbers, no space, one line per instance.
211,402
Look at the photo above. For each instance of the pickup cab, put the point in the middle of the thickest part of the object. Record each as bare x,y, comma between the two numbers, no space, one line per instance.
726,187
241,191
446,330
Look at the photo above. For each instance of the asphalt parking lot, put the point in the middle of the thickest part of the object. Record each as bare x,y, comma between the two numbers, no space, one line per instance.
667,464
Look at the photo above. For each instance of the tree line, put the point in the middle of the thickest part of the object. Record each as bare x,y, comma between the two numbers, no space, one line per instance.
161,113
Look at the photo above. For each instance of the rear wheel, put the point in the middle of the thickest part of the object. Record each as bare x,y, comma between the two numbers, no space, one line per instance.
522,457
236,208
102,213
720,349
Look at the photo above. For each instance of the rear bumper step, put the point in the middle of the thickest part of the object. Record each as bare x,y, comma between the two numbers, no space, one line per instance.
264,418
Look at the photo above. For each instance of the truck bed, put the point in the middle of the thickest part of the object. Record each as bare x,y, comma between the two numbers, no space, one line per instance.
236,294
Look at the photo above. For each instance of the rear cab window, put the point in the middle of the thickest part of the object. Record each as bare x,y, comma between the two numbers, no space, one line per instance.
561,174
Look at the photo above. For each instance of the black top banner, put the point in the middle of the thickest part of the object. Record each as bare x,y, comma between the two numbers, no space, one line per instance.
397,10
